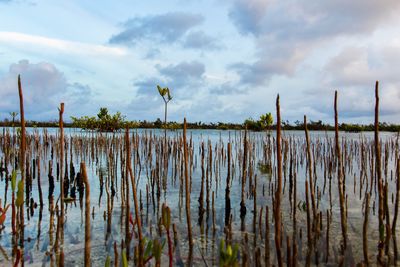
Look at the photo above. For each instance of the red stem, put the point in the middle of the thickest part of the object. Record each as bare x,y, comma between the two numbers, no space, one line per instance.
169,248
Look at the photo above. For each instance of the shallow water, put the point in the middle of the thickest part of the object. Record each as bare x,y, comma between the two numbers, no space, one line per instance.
102,155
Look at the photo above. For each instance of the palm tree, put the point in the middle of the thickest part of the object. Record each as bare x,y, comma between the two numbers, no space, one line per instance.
165,94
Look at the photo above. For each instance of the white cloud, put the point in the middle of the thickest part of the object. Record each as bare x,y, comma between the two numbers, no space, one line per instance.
67,47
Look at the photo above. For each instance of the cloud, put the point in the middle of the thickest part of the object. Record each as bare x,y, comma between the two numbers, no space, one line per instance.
277,59
353,72
287,32
168,27
148,86
26,40
184,71
200,40
247,15
152,53
186,80
180,78
44,87
293,19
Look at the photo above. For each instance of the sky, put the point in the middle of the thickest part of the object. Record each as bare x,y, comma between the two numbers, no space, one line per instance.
223,60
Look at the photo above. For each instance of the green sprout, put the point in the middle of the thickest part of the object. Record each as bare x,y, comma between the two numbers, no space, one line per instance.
228,256
166,95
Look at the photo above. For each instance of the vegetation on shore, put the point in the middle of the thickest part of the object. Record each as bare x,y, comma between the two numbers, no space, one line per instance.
117,122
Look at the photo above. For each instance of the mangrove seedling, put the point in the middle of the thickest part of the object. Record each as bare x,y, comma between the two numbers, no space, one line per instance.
157,250
166,95
228,256
153,248
124,259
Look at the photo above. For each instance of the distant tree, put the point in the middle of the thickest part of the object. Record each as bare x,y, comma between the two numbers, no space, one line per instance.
252,124
13,115
103,122
266,120
158,123
103,113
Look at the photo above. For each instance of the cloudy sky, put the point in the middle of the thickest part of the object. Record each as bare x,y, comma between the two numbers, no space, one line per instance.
224,60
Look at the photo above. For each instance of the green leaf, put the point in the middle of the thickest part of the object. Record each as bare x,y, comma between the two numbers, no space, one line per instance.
108,261
382,232
124,259
149,247
20,194
13,180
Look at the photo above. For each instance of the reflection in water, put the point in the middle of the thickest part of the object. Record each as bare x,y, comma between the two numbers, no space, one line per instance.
232,180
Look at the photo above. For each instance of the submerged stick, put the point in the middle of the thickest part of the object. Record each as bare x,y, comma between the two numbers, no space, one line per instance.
61,217
381,212
277,211
343,218
187,191
365,229
396,210
22,164
87,214
135,200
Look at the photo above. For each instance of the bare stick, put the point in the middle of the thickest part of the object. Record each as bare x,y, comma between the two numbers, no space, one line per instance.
381,213
61,217
340,178
87,214
22,164
277,212
187,191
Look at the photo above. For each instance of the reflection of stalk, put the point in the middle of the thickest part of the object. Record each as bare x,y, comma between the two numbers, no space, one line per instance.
365,229
87,214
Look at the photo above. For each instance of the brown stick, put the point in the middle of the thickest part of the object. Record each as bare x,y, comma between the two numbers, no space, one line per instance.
365,229
244,175
381,213
135,200
277,212
309,159
61,217
396,210
87,214
267,256
340,178
187,191
22,164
